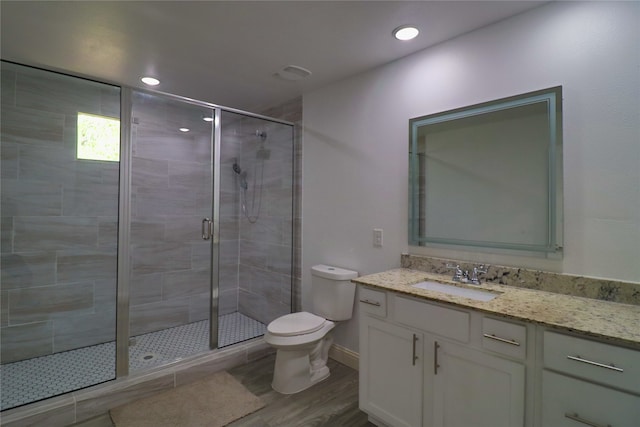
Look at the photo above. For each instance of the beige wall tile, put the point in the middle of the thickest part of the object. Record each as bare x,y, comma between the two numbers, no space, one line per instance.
75,265
21,270
35,233
21,125
178,284
85,330
26,341
160,315
45,302
31,198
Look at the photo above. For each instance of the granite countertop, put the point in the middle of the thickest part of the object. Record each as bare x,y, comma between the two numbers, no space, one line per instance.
611,321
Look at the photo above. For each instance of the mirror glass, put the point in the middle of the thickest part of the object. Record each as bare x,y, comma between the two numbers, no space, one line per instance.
489,175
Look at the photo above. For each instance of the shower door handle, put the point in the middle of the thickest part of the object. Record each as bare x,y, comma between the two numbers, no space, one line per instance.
206,229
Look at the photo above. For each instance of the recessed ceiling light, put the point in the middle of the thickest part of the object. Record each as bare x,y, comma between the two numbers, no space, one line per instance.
151,81
405,32
184,129
207,119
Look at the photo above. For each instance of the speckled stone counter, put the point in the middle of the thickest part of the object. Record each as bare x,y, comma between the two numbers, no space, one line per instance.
567,284
605,320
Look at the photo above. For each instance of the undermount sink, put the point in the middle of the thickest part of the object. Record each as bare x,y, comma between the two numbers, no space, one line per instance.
475,294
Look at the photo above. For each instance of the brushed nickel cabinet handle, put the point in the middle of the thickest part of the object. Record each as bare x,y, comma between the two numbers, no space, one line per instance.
504,340
414,356
366,301
591,362
578,418
436,346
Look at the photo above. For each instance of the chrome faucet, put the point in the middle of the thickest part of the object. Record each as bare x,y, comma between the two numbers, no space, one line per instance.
474,273
463,276
459,274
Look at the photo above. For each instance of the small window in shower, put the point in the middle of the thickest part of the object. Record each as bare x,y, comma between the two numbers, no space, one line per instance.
98,138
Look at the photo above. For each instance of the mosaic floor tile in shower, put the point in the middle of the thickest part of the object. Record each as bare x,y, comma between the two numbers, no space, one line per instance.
42,377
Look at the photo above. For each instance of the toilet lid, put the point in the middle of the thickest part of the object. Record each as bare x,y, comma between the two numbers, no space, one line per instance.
296,324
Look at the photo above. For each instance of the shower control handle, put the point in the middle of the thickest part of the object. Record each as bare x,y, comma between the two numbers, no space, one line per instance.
206,229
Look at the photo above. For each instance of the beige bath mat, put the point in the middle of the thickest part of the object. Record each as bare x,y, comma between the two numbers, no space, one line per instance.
213,402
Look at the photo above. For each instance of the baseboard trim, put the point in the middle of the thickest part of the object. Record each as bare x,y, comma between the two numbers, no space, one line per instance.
345,356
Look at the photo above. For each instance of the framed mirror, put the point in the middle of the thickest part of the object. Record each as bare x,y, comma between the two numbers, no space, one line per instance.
489,175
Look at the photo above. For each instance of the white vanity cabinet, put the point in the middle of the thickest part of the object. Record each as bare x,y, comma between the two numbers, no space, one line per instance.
391,366
474,388
589,383
391,372
425,364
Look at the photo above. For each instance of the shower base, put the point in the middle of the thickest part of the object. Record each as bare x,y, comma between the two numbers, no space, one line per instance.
43,377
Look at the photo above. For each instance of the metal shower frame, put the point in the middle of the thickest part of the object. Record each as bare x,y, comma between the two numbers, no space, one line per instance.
124,215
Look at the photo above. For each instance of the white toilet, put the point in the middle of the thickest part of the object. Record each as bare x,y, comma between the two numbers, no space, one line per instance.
303,339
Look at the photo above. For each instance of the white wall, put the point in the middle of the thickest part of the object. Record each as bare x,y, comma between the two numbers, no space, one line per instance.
355,164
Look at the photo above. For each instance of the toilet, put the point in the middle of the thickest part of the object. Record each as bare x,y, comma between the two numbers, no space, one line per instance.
303,339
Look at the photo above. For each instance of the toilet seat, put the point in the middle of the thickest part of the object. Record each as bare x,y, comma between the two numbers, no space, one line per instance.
296,324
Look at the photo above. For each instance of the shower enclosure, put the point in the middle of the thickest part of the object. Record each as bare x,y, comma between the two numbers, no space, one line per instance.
137,229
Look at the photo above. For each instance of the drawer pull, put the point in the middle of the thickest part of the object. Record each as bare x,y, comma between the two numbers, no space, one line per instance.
436,346
576,417
414,357
504,340
591,362
366,301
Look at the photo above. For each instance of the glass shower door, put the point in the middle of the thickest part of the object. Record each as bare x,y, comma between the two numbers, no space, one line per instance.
59,143
256,222
170,242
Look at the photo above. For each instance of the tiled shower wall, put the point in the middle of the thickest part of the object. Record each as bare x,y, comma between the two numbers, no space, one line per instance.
169,285
59,242
59,216
264,245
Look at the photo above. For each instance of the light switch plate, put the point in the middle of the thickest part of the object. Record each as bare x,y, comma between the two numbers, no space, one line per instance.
377,237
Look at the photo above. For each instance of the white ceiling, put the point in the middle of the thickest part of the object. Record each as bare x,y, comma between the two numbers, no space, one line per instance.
226,52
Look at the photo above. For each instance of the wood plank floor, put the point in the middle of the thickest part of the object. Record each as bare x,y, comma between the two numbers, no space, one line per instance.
330,403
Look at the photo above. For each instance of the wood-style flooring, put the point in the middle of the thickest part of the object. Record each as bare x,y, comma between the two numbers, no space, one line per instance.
330,403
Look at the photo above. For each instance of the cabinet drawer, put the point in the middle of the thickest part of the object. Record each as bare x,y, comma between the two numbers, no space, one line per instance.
505,338
568,402
592,360
374,302
432,318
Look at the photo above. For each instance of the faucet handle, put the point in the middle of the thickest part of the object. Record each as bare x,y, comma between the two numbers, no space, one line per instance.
459,275
482,268
478,269
457,268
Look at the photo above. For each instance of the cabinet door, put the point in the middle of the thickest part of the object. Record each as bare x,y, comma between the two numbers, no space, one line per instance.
390,373
475,389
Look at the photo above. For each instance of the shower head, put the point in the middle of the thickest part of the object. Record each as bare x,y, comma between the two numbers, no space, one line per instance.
236,167
261,134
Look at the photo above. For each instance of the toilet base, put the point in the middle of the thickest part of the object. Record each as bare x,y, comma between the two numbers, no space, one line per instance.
297,370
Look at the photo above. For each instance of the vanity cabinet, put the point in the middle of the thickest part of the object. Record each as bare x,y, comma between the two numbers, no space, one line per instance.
425,364
391,372
589,383
474,388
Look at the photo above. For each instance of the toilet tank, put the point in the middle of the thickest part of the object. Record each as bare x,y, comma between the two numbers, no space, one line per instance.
332,292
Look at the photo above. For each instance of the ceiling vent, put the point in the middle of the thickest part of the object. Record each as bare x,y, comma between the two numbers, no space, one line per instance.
293,73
